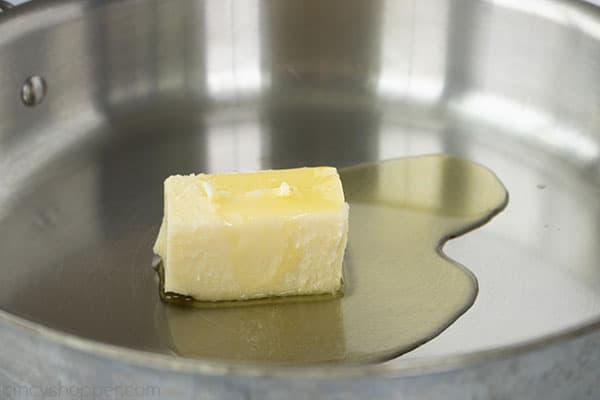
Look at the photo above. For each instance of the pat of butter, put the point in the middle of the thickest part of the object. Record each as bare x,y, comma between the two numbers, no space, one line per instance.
252,235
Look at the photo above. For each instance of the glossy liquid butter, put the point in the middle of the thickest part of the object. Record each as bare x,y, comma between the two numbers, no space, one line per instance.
400,290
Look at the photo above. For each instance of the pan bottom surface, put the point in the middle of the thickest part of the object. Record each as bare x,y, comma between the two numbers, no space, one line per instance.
77,225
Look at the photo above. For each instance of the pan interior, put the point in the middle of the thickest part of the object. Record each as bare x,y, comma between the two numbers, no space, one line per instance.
77,235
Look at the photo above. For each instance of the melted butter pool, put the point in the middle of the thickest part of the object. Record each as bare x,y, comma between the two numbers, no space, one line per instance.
400,290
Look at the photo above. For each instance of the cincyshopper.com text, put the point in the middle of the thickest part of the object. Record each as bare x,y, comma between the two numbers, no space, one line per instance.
79,392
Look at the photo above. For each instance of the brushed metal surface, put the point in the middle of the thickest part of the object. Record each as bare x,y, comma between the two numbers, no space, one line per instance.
5,5
138,90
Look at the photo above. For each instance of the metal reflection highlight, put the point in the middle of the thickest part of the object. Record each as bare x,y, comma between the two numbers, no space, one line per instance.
233,54
528,123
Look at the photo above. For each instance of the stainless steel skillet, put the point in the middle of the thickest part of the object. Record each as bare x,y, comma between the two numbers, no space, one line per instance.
126,92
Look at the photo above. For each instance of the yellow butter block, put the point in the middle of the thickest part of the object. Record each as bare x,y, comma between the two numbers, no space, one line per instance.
253,235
